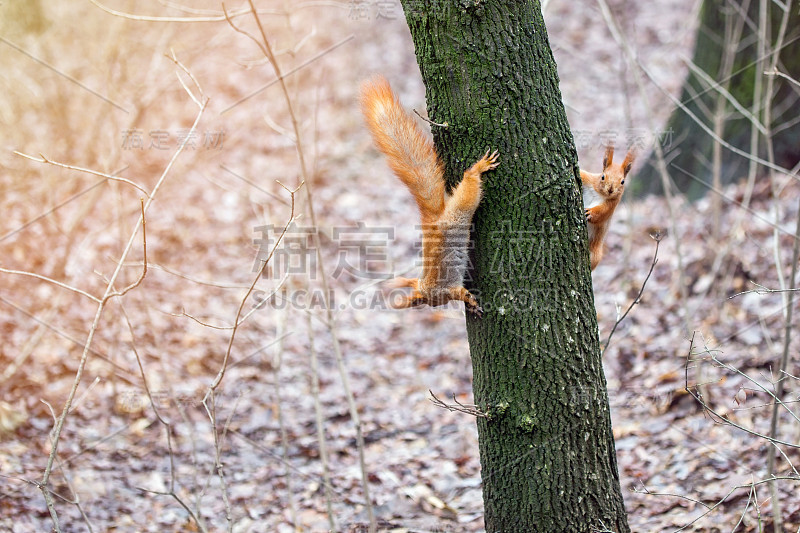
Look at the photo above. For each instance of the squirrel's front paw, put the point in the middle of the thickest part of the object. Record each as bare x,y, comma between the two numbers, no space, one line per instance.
492,160
487,162
589,217
475,310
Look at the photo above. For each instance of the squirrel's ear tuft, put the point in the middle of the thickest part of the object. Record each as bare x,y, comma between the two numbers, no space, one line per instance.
628,162
608,157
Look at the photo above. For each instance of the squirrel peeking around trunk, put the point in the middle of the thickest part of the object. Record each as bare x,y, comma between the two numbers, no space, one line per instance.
445,217
601,195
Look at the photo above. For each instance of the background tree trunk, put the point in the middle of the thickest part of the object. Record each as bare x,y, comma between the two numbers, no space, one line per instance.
547,451
690,152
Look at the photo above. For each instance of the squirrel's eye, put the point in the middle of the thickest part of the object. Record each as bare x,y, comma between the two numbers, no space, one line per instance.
602,177
622,182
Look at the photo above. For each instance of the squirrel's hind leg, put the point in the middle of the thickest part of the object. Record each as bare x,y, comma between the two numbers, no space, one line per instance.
470,303
404,302
399,283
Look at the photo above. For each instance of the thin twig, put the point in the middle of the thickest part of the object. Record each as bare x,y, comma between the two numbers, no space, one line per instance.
207,283
683,107
121,371
43,159
174,59
656,236
146,18
219,440
247,315
177,499
209,400
33,340
49,280
778,402
143,273
56,433
473,410
764,43
320,420
776,72
271,452
429,121
277,361
210,404
721,89
764,290
214,16
167,425
237,322
787,339
711,508
76,499
717,417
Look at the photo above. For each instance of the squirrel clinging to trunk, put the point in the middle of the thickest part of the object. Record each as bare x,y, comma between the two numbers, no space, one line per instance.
601,195
445,217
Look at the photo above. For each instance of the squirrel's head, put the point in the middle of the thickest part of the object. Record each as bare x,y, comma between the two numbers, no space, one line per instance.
612,180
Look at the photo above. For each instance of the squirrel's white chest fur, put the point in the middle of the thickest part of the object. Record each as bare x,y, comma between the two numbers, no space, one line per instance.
591,198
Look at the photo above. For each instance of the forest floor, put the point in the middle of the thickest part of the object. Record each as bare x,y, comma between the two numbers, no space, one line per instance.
90,89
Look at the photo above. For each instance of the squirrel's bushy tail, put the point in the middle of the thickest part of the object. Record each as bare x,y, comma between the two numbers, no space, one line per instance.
410,153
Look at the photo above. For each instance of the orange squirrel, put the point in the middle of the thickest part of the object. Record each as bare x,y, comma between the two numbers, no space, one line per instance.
445,218
601,195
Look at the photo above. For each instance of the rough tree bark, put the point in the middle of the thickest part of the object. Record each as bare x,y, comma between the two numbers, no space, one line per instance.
690,155
547,451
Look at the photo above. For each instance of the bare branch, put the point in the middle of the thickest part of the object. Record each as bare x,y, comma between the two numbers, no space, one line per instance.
180,65
776,72
237,320
473,410
656,236
715,416
429,121
787,340
320,420
144,262
180,501
49,280
762,290
721,501
724,92
211,15
43,159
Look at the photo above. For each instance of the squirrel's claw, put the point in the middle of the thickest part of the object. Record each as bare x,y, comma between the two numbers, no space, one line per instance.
475,310
492,159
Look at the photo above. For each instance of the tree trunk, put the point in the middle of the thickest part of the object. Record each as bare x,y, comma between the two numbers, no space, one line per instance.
690,152
547,451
